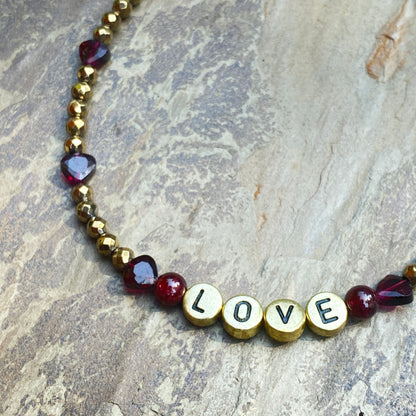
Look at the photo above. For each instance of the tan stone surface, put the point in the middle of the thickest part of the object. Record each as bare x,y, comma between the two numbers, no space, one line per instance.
240,143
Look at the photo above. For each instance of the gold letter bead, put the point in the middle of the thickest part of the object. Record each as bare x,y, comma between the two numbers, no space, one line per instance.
326,314
284,320
82,192
242,316
121,256
96,227
106,244
88,74
123,7
81,91
202,304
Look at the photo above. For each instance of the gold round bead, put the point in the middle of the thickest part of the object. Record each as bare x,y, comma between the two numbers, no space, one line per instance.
242,316
103,34
86,210
81,91
112,20
284,320
106,244
77,108
74,144
96,227
123,7
326,314
121,256
88,74
202,304
82,192
410,272
76,126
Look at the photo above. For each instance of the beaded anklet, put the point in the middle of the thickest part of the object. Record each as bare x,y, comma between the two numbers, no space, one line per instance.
242,316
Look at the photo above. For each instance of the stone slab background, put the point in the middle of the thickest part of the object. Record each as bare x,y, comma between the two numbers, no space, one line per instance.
239,142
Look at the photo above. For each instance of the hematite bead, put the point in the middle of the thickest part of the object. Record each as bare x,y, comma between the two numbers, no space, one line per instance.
361,302
74,144
121,257
103,34
106,244
394,290
410,273
170,289
77,108
76,126
112,20
82,192
77,168
96,227
81,91
88,74
86,210
94,53
123,7
140,275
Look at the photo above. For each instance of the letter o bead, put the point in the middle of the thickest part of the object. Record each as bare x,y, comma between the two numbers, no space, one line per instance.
242,316
202,304
284,320
326,314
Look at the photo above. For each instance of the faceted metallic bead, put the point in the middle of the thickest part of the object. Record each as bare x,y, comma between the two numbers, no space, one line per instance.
123,7
77,108
74,144
88,74
112,20
410,272
82,192
242,316
81,91
394,290
96,227
120,257
86,210
76,126
202,304
106,244
326,314
284,320
103,34
77,167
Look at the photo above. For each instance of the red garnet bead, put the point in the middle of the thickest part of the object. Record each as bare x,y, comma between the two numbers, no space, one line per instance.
140,275
394,290
77,168
361,302
94,53
170,288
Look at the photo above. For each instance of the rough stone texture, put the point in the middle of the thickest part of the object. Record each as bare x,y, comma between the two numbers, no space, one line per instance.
240,143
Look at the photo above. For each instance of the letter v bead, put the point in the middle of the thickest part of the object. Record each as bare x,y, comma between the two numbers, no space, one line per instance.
284,327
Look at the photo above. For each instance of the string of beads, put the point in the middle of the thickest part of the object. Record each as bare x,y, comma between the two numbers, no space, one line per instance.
242,316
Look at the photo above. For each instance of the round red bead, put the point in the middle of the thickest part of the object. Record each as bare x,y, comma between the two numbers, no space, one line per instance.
94,53
361,302
170,288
